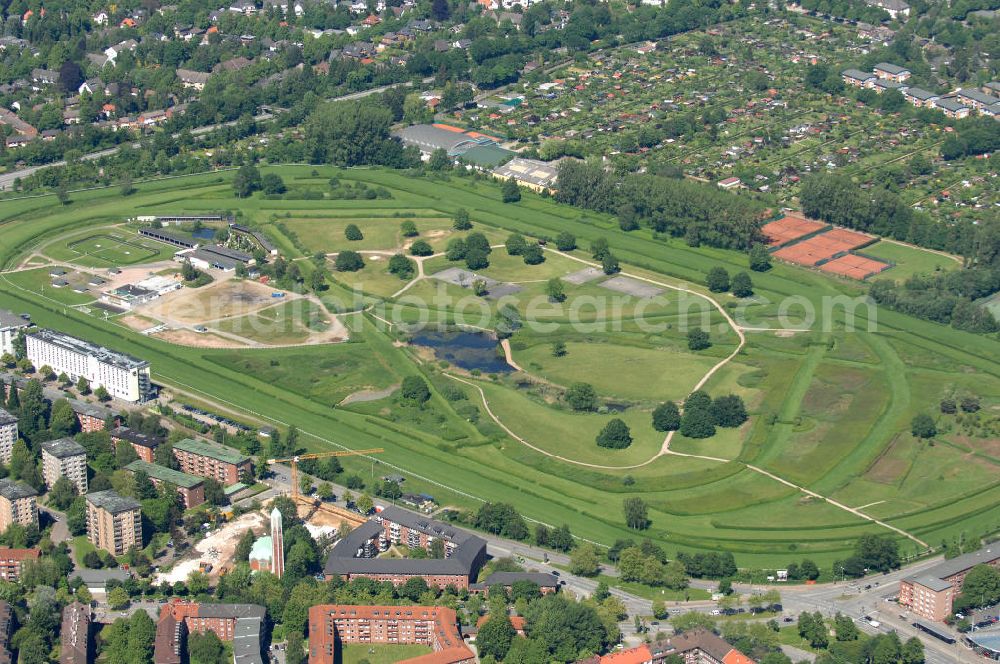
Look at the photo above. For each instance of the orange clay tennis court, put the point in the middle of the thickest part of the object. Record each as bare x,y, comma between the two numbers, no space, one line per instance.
823,246
854,266
788,228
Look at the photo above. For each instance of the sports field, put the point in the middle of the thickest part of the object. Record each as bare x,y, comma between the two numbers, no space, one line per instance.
109,247
909,260
829,407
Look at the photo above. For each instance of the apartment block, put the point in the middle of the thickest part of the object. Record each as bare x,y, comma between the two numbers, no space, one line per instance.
123,376
208,459
355,555
434,626
240,623
143,444
6,631
10,326
17,504
8,435
12,561
191,489
74,637
65,458
92,417
114,523
931,593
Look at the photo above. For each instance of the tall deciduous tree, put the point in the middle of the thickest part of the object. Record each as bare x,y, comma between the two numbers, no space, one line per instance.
667,417
636,513
615,435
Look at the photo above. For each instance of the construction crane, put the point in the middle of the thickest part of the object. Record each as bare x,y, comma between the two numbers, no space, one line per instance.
294,461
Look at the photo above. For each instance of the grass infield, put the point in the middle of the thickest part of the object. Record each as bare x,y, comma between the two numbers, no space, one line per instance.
828,409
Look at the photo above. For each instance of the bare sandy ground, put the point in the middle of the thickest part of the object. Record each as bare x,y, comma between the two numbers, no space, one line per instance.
223,540
186,337
133,275
137,323
222,299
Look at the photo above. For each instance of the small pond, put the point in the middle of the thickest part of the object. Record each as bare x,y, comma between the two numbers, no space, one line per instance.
203,233
466,350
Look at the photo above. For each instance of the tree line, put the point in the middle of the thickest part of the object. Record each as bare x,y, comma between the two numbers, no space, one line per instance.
698,212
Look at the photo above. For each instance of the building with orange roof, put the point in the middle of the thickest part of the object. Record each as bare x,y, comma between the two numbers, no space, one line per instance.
331,625
517,622
12,561
697,647
639,655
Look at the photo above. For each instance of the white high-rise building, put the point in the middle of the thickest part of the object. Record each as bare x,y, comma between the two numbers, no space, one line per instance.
123,376
8,432
277,544
10,325
65,458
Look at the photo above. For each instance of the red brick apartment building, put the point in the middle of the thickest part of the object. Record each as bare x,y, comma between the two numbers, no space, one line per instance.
207,459
355,555
331,625
6,631
229,622
12,561
931,593
92,417
74,637
191,489
143,444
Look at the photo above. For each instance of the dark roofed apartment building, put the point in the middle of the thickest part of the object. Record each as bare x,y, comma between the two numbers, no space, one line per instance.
74,637
17,504
114,522
931,593
240,623
354,555
144,444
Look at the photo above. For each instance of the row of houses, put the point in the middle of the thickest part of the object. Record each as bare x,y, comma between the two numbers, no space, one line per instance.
959,104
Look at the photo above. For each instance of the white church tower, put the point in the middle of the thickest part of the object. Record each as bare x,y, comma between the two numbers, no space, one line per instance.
277,544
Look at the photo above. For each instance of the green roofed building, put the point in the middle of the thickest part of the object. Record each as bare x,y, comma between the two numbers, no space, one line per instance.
261,553
486,156
207,459
190,488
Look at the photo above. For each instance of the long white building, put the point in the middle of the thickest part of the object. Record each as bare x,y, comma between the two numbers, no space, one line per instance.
123,376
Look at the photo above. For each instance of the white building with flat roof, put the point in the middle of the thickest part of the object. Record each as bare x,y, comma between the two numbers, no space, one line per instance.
123,376
10,325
